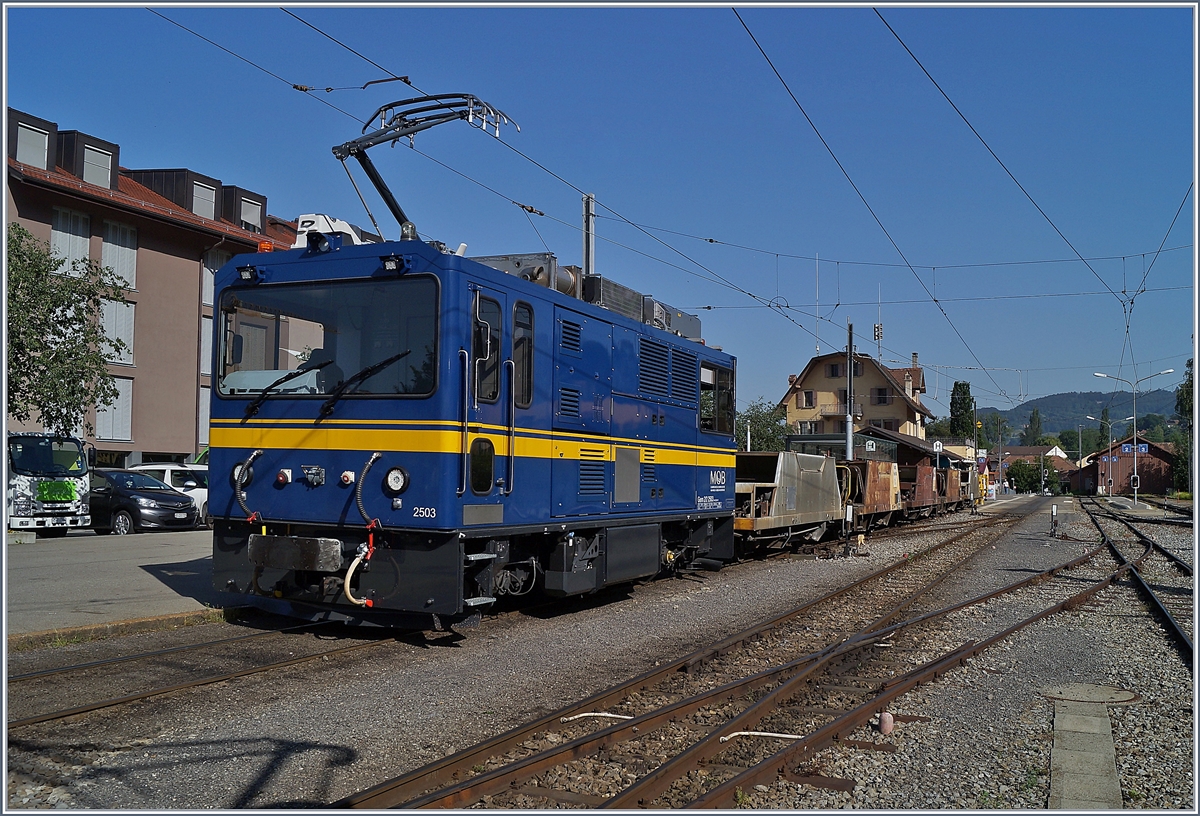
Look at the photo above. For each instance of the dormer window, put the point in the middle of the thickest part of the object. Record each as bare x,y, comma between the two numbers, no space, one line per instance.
251,215
204,200
32,145
97,166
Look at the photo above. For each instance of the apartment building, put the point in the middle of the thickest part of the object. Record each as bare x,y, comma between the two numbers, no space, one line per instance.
165,232
885,398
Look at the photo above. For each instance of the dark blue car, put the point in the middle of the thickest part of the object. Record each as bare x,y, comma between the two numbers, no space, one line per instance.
125,501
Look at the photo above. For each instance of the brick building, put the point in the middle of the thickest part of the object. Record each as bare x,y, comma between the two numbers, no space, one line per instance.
165,232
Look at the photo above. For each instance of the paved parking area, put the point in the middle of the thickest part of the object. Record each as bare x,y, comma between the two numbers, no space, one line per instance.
84,579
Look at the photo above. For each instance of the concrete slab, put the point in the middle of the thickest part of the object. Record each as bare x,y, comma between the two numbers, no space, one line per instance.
1075,722
84,579
1080,763
1077,741
1083,768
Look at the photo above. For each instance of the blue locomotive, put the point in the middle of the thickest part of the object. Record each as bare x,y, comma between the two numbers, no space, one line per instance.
400,434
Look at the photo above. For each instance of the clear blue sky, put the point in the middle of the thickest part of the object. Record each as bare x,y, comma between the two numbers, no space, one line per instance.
676,121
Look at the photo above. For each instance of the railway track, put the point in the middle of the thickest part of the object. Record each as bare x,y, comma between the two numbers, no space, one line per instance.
39,695
1163,578
1184,510
125,679
632,737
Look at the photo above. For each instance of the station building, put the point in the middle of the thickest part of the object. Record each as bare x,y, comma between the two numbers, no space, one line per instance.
165,232
1109,471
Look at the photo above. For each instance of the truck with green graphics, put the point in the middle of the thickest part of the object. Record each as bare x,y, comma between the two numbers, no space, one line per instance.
48,481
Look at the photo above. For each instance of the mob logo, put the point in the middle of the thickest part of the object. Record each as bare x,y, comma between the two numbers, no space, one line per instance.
716,480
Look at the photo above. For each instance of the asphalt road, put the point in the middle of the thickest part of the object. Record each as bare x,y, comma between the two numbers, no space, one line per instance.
84,579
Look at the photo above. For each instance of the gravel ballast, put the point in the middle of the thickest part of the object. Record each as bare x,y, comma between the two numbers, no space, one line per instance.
315,733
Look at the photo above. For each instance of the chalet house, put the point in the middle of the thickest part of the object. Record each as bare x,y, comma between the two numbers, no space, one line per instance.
885,398
165,232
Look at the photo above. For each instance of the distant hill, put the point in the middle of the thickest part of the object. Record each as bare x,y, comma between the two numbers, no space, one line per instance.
1062,412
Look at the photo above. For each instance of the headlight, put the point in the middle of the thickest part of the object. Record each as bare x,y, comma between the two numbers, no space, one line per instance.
396,480
23,507
144,502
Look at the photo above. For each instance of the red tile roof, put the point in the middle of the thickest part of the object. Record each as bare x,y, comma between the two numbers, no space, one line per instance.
133,196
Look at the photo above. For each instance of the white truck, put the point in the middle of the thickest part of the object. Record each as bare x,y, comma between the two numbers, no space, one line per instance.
48,483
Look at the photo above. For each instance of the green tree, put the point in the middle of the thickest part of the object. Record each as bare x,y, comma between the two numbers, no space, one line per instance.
767,423
1033,431
1027,477
939,428
1182,466
962,411
56,345
1183,399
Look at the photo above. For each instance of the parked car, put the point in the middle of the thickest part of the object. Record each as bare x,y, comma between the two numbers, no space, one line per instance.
126,501
191,480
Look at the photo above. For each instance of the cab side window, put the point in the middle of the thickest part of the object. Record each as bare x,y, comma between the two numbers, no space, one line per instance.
486,349
522,338
716,399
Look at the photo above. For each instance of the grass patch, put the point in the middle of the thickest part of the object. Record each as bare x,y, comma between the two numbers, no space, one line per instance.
59,638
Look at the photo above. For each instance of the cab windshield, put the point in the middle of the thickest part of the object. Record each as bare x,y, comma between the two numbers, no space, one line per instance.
46,456
325,333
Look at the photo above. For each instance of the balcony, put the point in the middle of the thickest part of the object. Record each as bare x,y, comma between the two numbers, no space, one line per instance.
839,409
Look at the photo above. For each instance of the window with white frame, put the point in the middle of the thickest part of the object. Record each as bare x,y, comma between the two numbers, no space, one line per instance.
70,235
251,215
32,145
97,166
117,321
202,415
214,259
114,423
206,328
204,200
119,252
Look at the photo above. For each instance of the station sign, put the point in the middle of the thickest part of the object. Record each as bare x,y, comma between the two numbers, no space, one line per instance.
1143,448
1127,448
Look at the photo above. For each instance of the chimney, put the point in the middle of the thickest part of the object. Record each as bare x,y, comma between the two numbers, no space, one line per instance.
914,365
792,379
908,383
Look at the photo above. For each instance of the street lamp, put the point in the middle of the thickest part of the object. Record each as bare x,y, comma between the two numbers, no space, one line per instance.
1133,387
1108,469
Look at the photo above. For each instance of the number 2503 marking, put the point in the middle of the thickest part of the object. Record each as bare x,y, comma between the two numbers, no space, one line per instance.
425,512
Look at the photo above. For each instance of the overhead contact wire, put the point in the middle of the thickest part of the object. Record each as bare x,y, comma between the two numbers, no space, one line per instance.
997,158
862,198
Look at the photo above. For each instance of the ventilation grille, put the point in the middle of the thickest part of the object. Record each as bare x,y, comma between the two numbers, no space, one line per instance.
591,472
652,368
572,336
568,402
683,375
648,474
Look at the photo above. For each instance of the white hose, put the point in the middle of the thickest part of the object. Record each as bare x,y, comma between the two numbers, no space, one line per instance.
346,584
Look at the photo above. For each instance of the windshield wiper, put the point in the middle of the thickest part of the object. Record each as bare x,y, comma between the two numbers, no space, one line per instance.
252,407
357,377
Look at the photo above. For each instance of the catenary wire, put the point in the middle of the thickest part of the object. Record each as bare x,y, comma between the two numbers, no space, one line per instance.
306,90
994,156
1142,285
861,197
797,256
